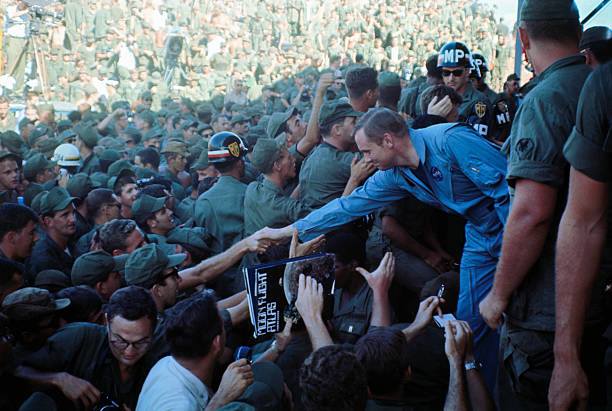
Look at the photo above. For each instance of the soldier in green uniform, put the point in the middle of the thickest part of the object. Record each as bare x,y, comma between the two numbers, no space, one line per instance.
524,283
583,256
87,138
265,203
153,217
221,209
175,153
332,170
455,61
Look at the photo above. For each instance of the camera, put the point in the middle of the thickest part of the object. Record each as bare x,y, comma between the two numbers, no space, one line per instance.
106,403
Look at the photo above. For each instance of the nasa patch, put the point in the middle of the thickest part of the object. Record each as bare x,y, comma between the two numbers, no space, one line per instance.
436,174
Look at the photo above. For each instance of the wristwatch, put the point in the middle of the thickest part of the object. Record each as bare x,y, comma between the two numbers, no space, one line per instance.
472,365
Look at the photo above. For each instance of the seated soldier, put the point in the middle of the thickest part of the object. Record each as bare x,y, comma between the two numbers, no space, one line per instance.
87,362
58,222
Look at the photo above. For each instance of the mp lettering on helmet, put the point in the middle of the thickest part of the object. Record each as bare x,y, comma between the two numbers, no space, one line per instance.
453,56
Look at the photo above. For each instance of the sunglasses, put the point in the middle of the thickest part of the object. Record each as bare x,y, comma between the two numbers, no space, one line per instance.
456,73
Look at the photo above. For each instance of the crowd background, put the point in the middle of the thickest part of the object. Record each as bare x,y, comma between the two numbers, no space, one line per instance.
116,49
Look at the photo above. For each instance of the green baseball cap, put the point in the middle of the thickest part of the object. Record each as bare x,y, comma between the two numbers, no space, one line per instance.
48,146
31,192
276,123
12,141
94,266
7,154
99,179
202,162
336,110
56,199
67,136
52,279
195,237
31,302
79,185
87,133
388,79
110,155
549,10
155,132
117,167
35,164
146,204
239,118
174,147
265,153
145,266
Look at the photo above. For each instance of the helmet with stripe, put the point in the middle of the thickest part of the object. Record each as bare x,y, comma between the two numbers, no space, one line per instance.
225,147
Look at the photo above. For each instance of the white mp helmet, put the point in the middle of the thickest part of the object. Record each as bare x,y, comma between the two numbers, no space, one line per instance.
67,155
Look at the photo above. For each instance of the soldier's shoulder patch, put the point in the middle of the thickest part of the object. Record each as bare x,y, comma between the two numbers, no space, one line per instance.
480,108
523,148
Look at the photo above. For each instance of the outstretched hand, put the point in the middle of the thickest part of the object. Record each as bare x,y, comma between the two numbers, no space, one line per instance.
297,249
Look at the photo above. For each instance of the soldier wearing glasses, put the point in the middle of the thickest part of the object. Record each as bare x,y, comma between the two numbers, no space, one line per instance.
455,63
89,363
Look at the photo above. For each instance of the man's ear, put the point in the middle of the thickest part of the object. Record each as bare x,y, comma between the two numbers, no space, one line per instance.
10,237
388,141
217,344
524,38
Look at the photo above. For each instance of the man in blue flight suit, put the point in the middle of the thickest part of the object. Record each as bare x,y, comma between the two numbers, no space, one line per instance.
448,166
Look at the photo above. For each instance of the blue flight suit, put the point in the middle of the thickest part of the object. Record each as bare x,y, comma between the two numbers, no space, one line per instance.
461,173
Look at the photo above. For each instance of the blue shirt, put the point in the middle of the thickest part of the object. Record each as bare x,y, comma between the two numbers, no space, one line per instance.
465,176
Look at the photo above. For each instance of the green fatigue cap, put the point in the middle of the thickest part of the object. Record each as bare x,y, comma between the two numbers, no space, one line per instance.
64,124
254,134
265,153
110,155
67,136
145,266
142,172
549,10
24,122
146,95
88,134
56,199
134,133
204,108
35,204
39,131
117,167
276,123
155,132
335,110
111,143
238,118
48,146
50,278
30,303
79,185
189,122
32,191
99,179
7,154
95,266
590,37
146,204
388,79
175,147
202,162
35,165
12,141
194,237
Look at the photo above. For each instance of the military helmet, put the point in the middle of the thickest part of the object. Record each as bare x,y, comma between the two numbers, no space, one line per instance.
455,54
480,62
67,155
225,147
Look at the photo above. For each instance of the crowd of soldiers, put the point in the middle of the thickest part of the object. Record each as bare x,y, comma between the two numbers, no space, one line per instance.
470,272
111,50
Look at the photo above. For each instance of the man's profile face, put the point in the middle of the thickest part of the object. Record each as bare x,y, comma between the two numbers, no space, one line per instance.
24,240
377,154
296,127
128,194
129,341
164,220
286,163
64,221
9,174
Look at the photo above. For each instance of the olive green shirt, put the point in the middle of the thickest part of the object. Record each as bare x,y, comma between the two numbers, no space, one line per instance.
324,175
535,152
265,205
221,211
